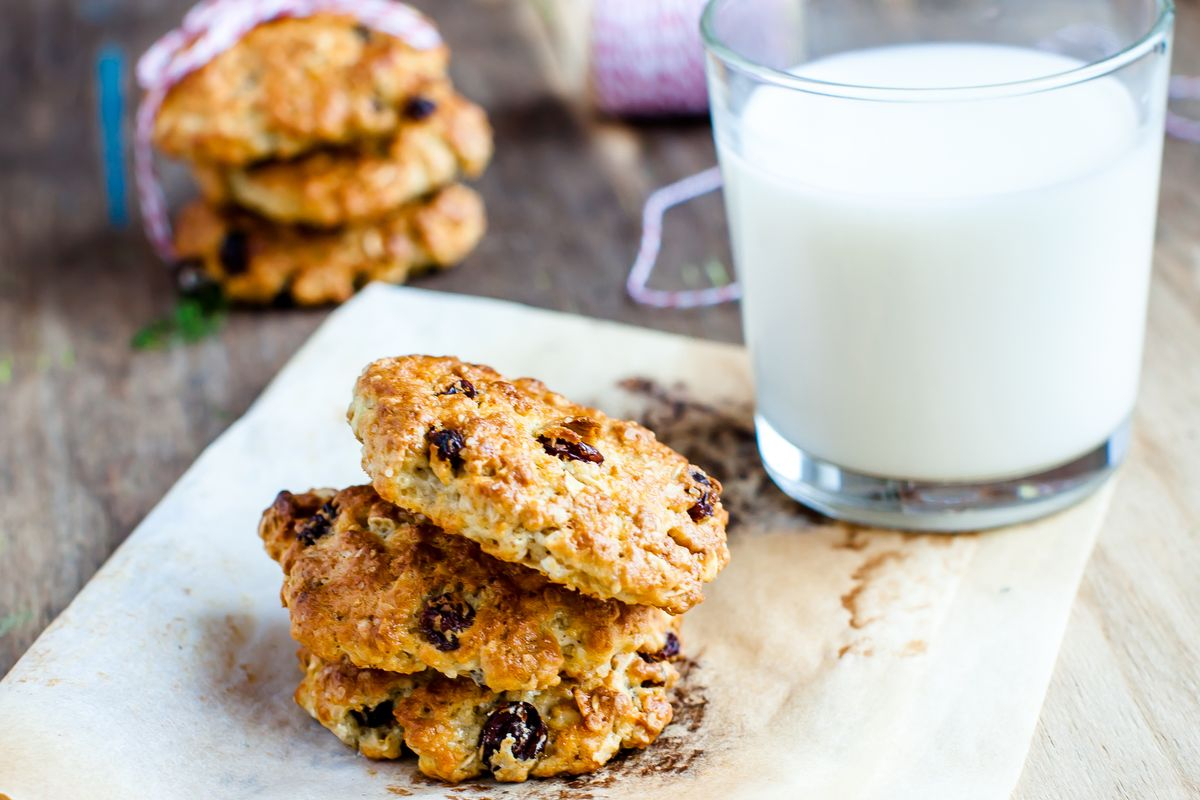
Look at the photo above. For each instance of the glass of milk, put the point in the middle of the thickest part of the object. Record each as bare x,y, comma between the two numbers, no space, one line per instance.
942,216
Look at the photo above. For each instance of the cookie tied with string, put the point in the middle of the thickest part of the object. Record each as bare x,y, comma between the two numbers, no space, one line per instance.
591,502
291,85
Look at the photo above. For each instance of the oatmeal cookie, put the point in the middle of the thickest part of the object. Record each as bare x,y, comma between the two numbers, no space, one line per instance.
386,589
441,138
460,730
594,503
291,85
256,261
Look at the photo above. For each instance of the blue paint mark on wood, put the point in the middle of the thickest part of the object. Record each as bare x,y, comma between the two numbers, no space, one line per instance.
110,69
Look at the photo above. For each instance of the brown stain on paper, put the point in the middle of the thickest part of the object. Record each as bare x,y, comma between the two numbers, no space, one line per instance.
246,661
856,539
863,576
875,596
470,791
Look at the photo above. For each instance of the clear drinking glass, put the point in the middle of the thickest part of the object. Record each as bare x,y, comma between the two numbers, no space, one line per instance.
943,218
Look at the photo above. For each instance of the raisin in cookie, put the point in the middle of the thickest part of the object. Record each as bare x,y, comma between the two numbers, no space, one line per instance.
386,589
441,138
292,85
460,730
256,261
594,503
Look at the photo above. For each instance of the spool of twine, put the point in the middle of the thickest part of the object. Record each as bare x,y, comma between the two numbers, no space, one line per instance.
210,28
647,58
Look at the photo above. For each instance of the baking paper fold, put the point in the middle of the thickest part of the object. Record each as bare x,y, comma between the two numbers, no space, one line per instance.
827,661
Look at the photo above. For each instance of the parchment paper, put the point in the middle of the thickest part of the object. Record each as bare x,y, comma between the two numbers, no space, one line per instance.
826,662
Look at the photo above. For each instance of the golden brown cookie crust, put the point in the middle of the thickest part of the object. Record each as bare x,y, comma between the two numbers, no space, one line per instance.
386,589
292,85
442,719
594,503
442,137
259,262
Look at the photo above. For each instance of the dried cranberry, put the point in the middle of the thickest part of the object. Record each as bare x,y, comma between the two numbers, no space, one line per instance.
374,717
285,503
317,526
235,252
419,108
461,386
312,530
442,619
571,451
519,722
449,444
703,508
586,427
670,650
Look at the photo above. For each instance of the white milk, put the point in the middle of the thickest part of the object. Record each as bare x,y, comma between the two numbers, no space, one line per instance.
944,291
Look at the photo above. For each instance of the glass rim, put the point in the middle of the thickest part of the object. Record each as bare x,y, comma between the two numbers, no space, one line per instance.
1157,34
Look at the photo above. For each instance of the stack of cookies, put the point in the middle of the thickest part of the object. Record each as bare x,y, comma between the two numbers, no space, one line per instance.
328,155
505,597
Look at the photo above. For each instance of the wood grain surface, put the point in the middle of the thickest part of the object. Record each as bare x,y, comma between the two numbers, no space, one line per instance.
93,433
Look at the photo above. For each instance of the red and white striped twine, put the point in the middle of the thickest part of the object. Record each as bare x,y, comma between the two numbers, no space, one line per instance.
210,28
656,207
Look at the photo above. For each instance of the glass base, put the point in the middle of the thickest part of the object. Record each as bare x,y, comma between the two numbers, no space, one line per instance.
932,506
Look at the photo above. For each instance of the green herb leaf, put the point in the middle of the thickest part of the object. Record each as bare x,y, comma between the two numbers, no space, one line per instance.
718,275
155,335
192,319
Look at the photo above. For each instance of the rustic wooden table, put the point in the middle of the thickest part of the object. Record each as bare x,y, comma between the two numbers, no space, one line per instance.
92,433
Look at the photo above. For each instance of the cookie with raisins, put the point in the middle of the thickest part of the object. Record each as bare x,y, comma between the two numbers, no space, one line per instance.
255,261
291,85
460,730
591,502
385,588
442,137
